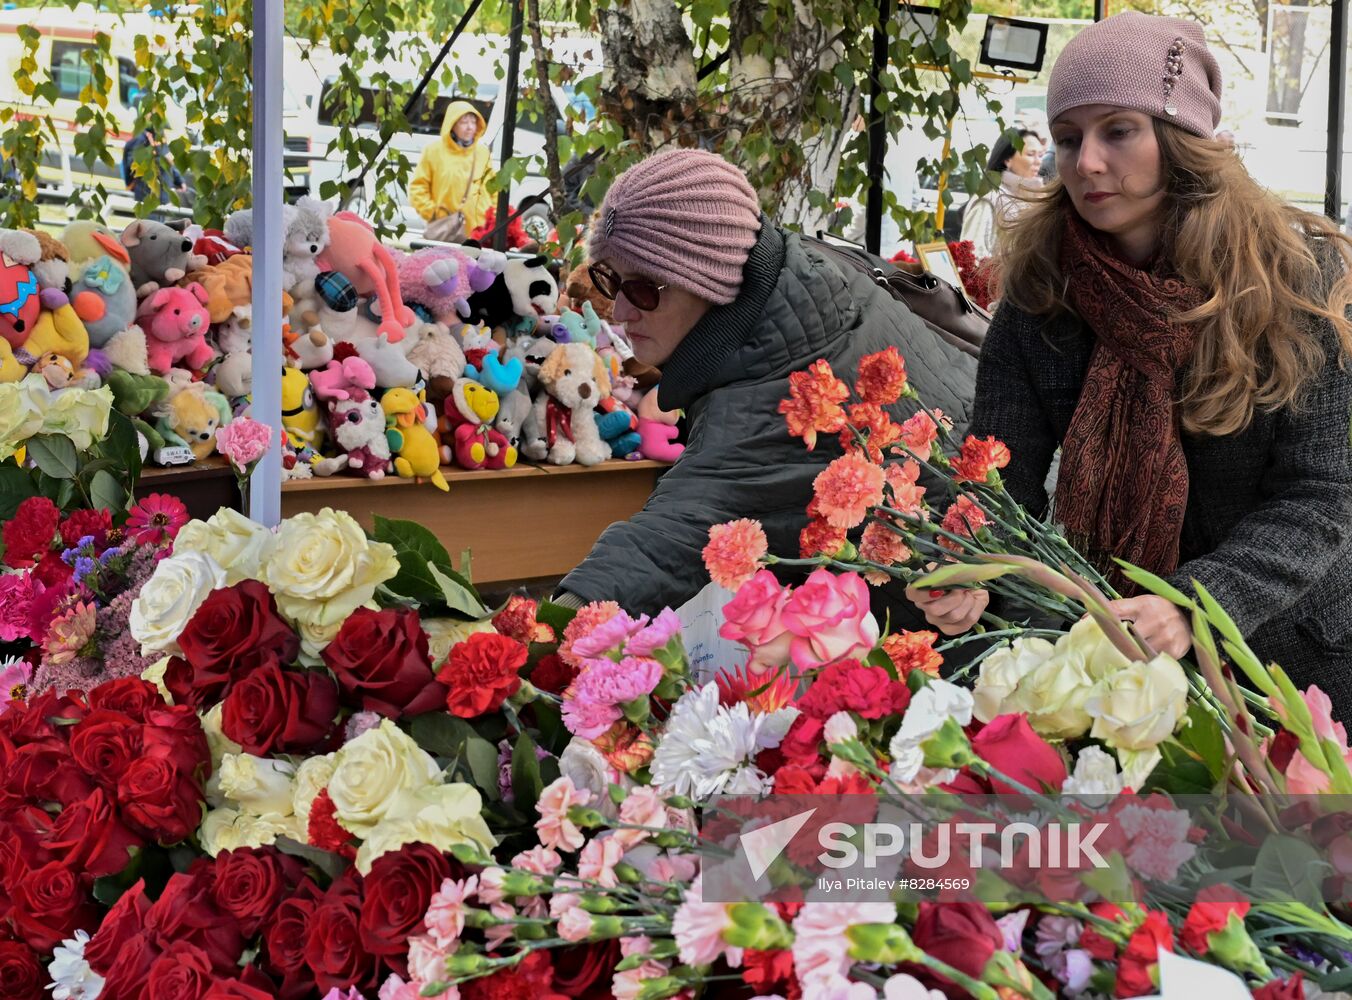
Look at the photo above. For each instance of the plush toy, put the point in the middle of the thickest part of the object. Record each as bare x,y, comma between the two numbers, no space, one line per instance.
618,428
439,358
467,431
228,284
307,235
392,368
175,321
134,396
213,247
523,292
102,295
355,252
52,268
234,378
357,425
191,418
415,448
342,378
61,373
579,327
657,430
300,416
574,381
86,240
442,279
580,289
513,411
159,255
58,330
19,301
533,352
494,373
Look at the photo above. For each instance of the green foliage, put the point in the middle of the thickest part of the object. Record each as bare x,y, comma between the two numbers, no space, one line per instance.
425,573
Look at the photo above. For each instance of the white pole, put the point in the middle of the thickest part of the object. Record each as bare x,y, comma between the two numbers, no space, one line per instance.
265,494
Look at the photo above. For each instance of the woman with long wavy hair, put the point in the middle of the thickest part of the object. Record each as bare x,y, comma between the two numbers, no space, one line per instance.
1180,334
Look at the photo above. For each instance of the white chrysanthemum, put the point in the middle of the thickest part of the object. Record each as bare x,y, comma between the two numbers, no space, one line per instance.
72,977
932,705
707,746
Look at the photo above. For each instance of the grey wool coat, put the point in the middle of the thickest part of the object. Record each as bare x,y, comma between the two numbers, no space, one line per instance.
1268,528
729,375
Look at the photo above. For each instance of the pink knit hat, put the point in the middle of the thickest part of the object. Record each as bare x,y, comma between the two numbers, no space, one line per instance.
685,217
1159,66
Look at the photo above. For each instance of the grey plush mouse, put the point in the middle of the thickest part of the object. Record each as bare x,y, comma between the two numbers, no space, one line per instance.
159,255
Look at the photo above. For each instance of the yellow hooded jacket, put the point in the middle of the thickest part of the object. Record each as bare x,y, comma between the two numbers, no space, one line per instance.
445,169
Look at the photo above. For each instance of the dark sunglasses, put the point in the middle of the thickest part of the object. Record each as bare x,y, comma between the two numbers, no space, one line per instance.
642,293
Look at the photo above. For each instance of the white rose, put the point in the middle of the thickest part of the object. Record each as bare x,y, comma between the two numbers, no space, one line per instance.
22,407
440,815
1096,776
443,634
1053,694
315,635
312,777
154,674
259,785
1101,657
229,829
170,598
1001,672
217,742
589,770
322,567
239,545
1139,707
81,415
372,770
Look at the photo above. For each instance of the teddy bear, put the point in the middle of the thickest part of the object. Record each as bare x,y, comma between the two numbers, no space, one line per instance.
175,321
466,426
61,372
357,426
439,357
160,256
191,417
573,381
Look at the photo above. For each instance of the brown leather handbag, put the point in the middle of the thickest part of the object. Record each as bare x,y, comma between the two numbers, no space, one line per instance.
945,310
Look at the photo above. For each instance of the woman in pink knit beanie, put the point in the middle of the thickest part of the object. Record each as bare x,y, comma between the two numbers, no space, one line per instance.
728,305
1178,332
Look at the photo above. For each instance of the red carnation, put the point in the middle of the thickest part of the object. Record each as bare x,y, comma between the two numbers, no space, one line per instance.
766,971
287,711
324,830
964,519
30,532
1134,977
552,674
534,977
850,687
1281,989
820,538
978,458
481,673
517,620
381,663
21,977
803,743
236,631
82,523
882,377
1209,914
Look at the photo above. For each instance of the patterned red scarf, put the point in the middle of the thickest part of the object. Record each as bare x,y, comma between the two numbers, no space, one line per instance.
1123,486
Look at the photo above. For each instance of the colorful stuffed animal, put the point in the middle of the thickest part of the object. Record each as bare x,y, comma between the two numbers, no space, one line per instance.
134,396
618,427
525,291
513,411
61,373
52,268
494,373
86,240
573,381
657,430
191,418
578,327
213,247
341,378
415,448
102,295
175,321
357,426
19,301
300,415
355,252
160,256
467,430
441,279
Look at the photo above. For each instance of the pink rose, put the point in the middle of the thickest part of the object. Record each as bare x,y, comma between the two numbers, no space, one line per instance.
244,441
829,618
755,615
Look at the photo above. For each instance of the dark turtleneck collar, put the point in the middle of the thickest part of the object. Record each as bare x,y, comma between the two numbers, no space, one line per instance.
723,329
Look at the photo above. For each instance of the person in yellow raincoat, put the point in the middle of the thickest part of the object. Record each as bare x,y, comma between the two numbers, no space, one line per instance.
453,173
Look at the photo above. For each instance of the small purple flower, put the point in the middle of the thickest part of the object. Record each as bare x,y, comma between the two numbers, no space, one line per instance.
84,566
86,541
68,556
1011,926
647,642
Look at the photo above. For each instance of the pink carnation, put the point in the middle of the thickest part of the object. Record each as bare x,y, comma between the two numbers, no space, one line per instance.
554,827
591,703
16,607
575,925
592,615
445,917
698,929
539,860
427,961
665,627
643,806
1158,839
608,635
734,551
820,947
846,489
598,859
244,441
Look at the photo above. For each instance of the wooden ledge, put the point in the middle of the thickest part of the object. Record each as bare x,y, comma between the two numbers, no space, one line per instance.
455,474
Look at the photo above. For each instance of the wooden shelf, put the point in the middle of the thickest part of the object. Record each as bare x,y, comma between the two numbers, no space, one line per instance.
455,475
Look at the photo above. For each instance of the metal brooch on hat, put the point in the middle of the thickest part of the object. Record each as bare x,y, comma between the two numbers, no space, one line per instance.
610,223
1173,69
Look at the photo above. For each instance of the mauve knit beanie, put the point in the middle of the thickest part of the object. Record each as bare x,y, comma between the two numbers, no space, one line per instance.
1159,66
685,217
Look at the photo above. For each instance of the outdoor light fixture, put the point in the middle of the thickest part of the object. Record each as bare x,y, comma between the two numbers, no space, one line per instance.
1018,44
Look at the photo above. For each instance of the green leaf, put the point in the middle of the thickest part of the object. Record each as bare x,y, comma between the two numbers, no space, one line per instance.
458,595
556,616
326,861
526,782
16,486
417,549
1204,736
1179,773
54,455
441,734
122,445
467,566
1154,584
482,758
107,492
1337,981
548,719
1289,869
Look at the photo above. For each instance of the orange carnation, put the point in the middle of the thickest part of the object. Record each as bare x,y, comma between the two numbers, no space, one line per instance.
734,552
625,747
878,426
920,432
903,480
813,406
884,546
820,538
913,651
882,377
979,458
847,488
965,518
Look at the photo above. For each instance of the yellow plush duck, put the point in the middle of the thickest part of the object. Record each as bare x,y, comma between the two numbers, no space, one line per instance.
59,331
10,369
414,446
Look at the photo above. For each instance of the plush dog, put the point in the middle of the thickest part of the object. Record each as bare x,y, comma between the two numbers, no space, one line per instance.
563,430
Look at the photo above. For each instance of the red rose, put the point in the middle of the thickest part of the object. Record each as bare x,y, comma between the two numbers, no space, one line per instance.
174,734
42,716
398,891
849,687
284,937
186,912
105,744
234,632
50,903
125,919
380,661
963,935
552,674
584,972
251,883
45,772
1209,914
30,532
90,837
21,977
333,948
1281,989
126,979
82,523
233,989
288,711
159,801
482,672
1010,746
181,972
129,695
